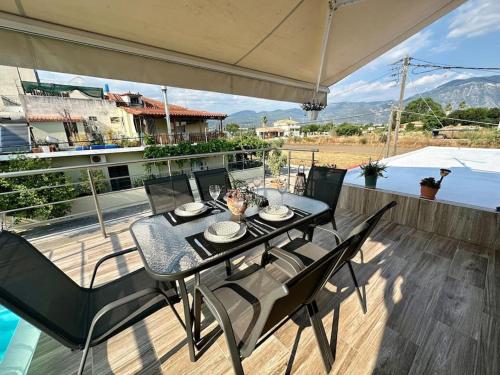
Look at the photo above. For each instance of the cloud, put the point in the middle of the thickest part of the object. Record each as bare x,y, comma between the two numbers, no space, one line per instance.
477,17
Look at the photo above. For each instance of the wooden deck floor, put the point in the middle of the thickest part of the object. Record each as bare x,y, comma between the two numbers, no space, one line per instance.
433,308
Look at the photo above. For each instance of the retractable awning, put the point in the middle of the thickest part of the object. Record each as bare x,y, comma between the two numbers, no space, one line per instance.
290,50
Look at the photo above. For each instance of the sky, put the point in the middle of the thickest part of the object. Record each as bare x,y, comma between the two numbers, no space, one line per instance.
468,36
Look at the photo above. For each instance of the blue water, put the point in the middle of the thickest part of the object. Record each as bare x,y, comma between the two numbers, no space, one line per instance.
8,324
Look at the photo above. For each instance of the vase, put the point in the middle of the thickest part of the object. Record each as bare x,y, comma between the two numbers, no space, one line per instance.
313,115
236,208
427,192
371,181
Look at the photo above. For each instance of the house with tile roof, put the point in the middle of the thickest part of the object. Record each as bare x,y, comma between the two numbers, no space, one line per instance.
142,115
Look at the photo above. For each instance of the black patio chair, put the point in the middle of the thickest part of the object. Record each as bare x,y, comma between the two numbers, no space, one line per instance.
32,287
251,305
300,253
167,193
325,184
204,179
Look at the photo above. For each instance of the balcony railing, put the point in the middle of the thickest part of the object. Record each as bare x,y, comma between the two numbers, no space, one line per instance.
243,164
199,137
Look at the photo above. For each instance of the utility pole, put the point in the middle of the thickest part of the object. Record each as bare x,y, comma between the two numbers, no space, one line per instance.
167,114
404,73
389,130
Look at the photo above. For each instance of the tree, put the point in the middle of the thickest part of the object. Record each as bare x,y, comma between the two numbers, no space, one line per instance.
482,115
426,110
346,129
232,128
264,120
448,108
462,105
59,189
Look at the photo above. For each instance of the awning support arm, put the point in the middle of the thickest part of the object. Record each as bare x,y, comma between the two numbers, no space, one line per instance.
324,45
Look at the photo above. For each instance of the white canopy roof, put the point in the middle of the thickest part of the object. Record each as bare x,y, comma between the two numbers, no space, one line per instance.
268,49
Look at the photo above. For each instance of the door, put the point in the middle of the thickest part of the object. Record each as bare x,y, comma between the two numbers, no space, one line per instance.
119,177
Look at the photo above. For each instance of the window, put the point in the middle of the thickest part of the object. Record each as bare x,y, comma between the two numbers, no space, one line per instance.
92,118
134,100
115,120
120,177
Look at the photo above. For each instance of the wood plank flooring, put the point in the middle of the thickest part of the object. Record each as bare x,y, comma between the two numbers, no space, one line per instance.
433,308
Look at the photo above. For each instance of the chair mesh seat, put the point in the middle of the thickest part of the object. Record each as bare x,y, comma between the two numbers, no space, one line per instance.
242,296
40,293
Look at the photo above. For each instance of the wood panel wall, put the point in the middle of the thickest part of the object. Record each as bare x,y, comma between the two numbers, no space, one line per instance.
480,227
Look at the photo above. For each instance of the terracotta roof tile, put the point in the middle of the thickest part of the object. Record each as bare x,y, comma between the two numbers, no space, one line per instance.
156,108
52,118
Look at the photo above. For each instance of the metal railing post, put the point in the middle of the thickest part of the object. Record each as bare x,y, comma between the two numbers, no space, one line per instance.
169,170
96,202
312,159
264,169
224,161
289,161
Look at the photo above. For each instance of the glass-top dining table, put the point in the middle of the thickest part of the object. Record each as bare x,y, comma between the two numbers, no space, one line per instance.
173,251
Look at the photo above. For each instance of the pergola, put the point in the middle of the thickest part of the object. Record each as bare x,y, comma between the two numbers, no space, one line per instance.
290,50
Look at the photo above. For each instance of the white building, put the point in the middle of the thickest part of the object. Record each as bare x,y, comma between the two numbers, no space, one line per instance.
289,127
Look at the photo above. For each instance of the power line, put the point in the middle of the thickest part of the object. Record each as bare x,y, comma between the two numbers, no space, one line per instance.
450,118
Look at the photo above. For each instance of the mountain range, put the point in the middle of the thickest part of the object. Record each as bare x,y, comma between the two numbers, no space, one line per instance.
475,92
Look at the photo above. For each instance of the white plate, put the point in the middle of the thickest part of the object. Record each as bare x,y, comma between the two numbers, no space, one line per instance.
225,229
180,212
192,207
217,239
266,217
276,210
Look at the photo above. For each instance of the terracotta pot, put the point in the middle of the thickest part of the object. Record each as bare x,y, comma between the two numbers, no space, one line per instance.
236,210
274,184
428,192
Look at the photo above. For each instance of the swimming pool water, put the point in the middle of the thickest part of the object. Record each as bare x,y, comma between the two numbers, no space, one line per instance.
8,325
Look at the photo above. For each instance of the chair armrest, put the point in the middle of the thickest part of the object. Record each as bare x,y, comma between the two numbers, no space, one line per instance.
107,257
286,256
220,312
120,302
338,238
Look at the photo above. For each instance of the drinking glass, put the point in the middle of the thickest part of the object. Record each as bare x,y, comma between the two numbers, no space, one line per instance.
214,191
282,187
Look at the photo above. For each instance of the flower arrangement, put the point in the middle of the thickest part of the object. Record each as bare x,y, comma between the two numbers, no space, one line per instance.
240,197
429,186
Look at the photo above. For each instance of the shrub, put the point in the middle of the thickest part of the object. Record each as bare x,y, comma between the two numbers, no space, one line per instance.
25,186
363,140
348,130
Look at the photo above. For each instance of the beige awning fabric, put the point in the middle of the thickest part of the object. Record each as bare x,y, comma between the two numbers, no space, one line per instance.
260,48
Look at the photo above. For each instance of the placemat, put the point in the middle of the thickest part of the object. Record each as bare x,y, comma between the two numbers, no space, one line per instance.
178,220
214,248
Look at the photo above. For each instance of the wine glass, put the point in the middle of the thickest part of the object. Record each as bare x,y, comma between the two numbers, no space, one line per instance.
256,182
282,187
214,191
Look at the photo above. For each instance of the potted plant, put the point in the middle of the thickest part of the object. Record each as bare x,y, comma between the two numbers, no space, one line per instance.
372,170
429,186
276,162
313,109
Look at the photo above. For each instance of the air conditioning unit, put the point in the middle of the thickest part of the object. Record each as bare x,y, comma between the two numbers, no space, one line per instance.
98,159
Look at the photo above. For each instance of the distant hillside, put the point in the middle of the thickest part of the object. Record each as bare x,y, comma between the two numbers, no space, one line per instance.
476,92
